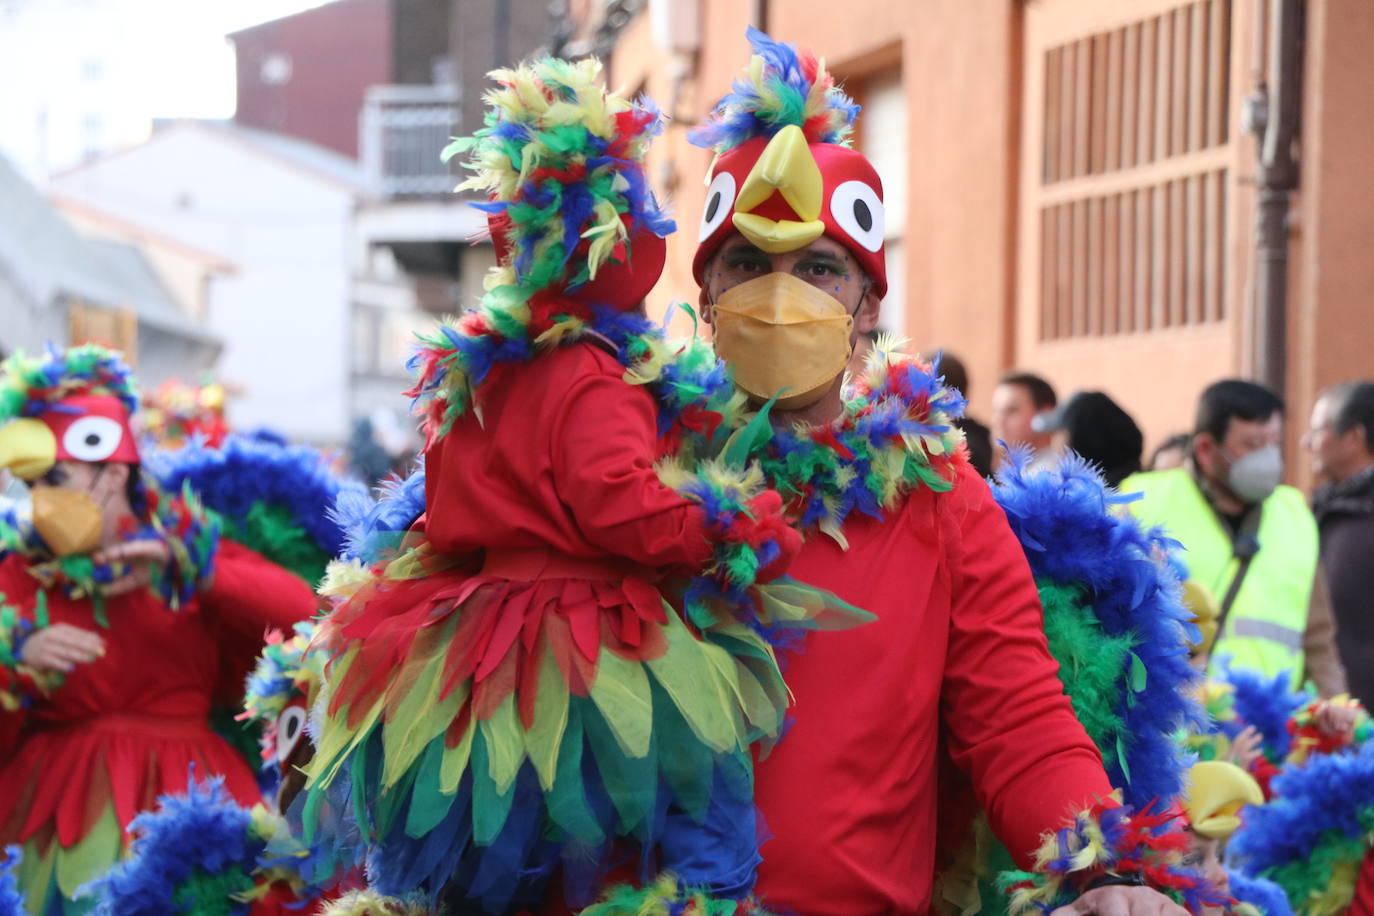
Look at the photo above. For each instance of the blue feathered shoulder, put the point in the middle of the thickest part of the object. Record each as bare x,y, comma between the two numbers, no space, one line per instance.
371,527
1079,542
11,900
1267,703
195,848
271,497
1321,814
1263,895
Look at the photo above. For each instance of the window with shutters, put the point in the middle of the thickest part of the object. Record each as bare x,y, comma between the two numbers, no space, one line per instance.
1132,197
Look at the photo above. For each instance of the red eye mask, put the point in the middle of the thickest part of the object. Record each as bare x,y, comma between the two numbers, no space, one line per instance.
92,428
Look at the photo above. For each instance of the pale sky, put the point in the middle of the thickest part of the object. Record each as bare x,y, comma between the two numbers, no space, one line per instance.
92,74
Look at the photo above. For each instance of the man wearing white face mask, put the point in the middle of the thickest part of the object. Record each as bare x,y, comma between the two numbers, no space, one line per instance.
1250,540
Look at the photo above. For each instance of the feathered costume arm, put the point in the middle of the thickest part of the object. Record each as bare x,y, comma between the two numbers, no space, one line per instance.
19,683
1104,840
1116,625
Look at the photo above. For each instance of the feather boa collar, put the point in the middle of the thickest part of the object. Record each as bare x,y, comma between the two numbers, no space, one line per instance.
179,521
692,388
896,434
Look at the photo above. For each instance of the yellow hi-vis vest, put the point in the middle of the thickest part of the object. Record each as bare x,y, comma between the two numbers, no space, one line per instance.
1265,628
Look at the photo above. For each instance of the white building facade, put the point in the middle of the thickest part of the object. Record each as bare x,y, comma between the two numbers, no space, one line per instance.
281,211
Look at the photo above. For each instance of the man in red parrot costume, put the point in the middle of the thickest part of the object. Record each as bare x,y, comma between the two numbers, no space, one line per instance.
123,618
791,269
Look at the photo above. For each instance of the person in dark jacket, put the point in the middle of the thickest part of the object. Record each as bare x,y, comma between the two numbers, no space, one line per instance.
976,435
1341,440
1096,427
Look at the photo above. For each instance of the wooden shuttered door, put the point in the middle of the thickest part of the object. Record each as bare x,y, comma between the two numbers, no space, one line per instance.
1131,209
116,329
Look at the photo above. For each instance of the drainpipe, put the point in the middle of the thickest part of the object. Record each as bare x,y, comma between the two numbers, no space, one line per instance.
500,39
1276,110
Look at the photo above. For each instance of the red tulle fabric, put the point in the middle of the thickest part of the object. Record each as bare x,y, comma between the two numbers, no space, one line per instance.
519,604
68,775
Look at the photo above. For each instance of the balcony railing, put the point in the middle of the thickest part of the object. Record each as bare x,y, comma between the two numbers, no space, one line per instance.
402,130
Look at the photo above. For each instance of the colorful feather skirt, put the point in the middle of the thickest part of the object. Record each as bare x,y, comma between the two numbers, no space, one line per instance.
480,733
50,874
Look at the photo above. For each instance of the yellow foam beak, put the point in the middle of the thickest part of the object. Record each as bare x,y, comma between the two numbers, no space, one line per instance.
1215,795
28,449
788,168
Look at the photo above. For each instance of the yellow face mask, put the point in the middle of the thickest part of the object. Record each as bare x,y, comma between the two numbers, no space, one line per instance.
70,522
782,336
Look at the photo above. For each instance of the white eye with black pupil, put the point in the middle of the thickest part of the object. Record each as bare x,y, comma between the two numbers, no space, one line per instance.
720,199
92,438
290,727
858,211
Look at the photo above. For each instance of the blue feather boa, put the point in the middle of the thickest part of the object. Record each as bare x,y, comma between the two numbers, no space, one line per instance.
1266,703
202,832
372,527
1066,522
1265,896
1329,798
246,471
201,853
11,900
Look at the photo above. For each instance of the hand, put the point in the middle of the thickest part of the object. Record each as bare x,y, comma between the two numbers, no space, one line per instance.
141,556
1246,747
1121,900
1336,718
61,647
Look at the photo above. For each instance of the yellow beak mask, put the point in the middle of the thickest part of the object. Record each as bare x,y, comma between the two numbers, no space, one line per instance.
69,521
782,336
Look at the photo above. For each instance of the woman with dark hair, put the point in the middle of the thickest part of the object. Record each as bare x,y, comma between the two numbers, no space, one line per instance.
1096,427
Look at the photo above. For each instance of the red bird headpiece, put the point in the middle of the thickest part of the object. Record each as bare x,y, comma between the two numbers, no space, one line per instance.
784,173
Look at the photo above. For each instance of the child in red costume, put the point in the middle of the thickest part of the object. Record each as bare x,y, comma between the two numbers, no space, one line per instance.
522,691
123,619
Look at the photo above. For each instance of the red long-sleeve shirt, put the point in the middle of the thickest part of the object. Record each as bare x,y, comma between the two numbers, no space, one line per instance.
561,458
849,795
123,729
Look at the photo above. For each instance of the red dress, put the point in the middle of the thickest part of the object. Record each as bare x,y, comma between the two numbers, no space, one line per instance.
79,765
958,652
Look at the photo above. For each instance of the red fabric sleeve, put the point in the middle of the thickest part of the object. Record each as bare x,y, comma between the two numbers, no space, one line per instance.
249,595
17,587
603,471
10,725
1363,903
1010,726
